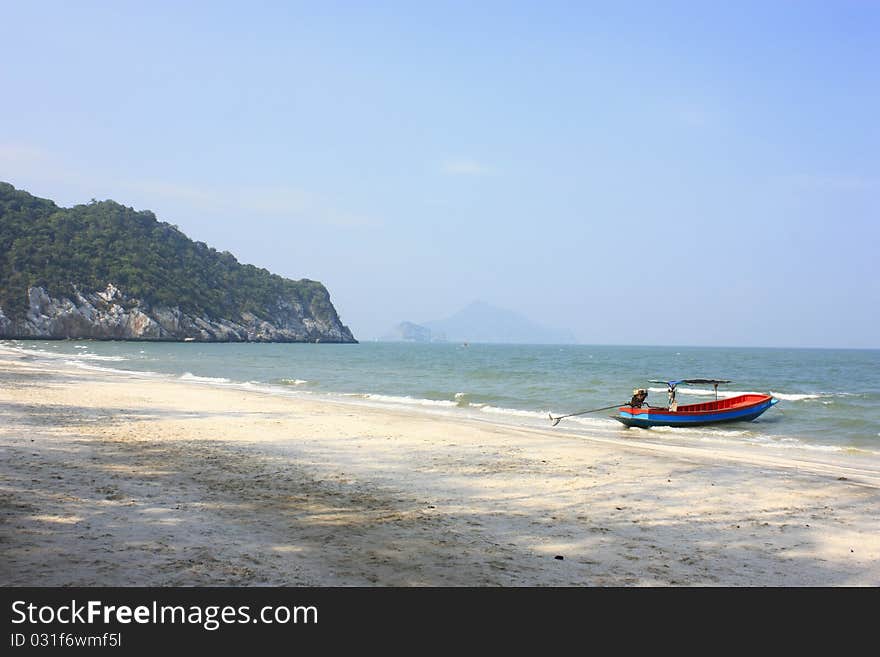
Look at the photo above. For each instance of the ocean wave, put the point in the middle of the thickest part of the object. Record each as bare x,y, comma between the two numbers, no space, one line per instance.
515,412
272,389
94,368
99,357
750,437
780,443
691,432
189,376
724,394
111,370
461,400
58,355
704,392
605,422
794,397
405,399
816,395
821,421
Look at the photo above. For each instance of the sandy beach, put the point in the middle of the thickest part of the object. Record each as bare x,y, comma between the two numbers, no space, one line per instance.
118,480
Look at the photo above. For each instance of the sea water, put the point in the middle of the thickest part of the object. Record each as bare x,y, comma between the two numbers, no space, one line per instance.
829,398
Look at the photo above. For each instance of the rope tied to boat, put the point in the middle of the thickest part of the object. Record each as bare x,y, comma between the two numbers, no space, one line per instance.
555,420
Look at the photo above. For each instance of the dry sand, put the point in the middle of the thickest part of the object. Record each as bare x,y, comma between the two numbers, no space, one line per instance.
115,480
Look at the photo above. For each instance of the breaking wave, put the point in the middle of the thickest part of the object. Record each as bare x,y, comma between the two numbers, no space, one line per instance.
515,412
98,357
76,356
111,370
404,399
702,392
724,394
498,388
793,397
189,376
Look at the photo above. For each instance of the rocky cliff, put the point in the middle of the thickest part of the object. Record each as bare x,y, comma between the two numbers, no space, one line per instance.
105,271
111,315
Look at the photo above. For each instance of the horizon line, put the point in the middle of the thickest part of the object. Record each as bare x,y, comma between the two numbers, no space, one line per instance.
618,344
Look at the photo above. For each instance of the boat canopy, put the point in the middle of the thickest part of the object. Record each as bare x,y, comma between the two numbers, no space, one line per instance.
672,384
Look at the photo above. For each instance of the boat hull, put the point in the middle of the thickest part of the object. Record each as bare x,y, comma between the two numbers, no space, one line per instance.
736,409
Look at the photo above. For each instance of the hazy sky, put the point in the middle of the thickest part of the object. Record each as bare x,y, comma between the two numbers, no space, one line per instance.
672,173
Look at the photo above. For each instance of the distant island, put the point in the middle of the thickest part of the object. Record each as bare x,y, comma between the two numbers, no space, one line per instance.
105,271
480,322
410,332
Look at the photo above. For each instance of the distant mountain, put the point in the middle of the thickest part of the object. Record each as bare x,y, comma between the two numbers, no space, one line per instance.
409,332
480,322
106,271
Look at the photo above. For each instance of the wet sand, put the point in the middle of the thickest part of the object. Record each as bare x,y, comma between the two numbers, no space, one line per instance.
109,479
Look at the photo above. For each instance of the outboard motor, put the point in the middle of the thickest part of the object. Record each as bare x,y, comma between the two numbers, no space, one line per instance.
638,398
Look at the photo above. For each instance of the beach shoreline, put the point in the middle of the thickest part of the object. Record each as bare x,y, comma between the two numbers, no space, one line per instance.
120,480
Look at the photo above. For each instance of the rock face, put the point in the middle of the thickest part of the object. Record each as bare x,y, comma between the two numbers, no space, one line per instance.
110,314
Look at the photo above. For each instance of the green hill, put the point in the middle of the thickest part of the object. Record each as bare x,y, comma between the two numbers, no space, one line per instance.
66,251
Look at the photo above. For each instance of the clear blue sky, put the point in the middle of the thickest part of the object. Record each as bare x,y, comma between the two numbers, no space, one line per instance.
684,173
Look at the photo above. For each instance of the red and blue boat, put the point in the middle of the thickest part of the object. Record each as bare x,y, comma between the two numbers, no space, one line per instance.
742,408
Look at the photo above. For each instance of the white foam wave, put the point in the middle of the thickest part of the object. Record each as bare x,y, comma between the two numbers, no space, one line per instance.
743,437
393,399
724,394
461,400
703,392
793,397
44,353
780,443
99,357
594,421
97,368
294,382
93,368
514,411
189,376
690,432
259,386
